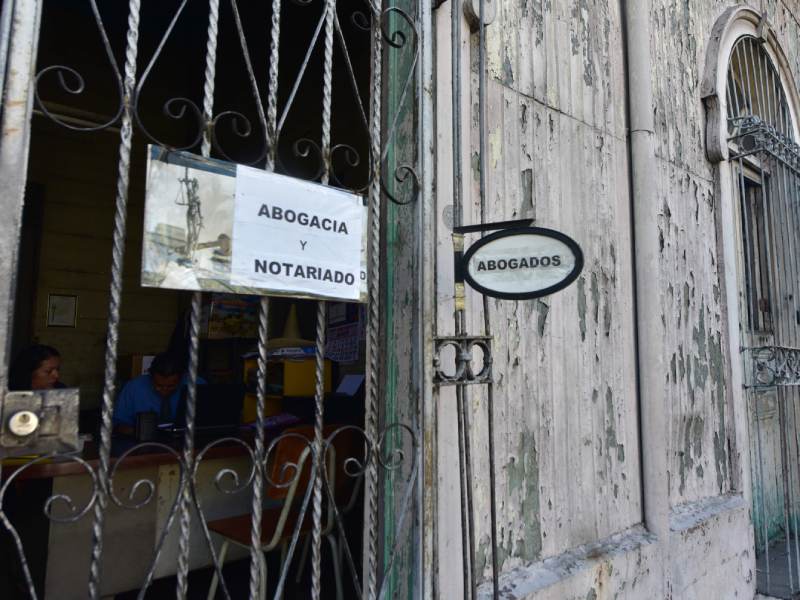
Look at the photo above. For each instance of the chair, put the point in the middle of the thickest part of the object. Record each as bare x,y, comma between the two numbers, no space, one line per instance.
280,516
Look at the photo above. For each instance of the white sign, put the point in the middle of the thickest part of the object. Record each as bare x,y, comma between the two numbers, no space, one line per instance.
294,236
215,226
522,263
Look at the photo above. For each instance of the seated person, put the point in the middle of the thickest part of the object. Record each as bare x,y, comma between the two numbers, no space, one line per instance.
37,367
157,391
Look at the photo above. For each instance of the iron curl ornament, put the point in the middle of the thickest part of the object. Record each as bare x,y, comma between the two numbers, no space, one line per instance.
72,82
400,183
753,135
395,450
772,366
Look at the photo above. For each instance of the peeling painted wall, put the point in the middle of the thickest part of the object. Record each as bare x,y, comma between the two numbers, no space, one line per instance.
692,311
565,391
568,453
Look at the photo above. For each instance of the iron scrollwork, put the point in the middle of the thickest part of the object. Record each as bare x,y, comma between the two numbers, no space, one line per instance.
396,449
772,366
754,135
399,181
464,372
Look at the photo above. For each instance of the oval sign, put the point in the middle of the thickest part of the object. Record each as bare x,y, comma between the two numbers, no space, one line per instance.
522,263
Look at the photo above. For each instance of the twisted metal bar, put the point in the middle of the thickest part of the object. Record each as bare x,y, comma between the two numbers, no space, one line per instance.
316,535
194,320
261,392
258,483
210,74
373,320
188,447
272,99
118,255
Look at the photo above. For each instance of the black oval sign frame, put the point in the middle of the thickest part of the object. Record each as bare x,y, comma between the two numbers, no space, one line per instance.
517,231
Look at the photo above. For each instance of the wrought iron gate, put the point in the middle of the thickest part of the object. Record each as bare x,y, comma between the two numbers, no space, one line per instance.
766,168
389,171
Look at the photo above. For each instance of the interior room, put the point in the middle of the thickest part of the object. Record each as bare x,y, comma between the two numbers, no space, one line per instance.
66,258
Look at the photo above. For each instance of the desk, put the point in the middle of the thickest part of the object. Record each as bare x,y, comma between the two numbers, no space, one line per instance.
132,534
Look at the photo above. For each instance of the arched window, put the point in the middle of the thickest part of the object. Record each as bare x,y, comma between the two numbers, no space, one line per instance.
764,165
752,135
755,90
760,146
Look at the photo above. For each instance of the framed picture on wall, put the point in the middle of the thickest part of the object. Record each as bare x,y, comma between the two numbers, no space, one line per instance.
62,310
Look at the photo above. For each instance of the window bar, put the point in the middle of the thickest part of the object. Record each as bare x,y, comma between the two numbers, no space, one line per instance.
271,141
785,475
790,195
486,309
774,282
747,50
747,229
776,244
781,198
466,514
194,327
770,225
316,535
373,318
118,254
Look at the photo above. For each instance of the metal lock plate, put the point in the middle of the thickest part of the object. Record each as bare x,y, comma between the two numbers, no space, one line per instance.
39,422
23,423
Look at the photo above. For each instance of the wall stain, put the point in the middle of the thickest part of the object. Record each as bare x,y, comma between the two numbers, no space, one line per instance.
523,485
611,430
582,306
543,310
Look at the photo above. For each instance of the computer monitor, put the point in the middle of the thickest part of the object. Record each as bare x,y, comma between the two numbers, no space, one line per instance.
218,407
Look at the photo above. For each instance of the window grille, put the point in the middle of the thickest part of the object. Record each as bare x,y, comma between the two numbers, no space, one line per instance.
764,157
271,87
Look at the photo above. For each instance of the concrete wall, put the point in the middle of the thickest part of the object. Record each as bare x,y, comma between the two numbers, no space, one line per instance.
566,402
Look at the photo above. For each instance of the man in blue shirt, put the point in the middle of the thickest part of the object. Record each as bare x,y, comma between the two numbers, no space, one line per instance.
156,391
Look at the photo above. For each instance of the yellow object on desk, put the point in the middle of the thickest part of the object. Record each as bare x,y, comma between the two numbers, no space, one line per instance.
23,460
272,406
299,377
295,377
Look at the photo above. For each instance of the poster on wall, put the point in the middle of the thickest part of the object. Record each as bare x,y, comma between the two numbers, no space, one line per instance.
216,226
344,333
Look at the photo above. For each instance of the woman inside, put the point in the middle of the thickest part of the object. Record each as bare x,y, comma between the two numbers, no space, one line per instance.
37,367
